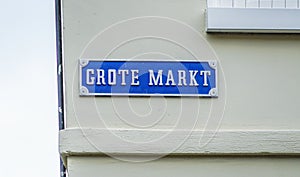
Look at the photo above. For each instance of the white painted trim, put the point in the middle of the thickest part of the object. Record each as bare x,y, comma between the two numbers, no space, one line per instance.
225,142
254,20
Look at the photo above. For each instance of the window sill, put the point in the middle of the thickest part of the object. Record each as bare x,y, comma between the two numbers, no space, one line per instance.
253,20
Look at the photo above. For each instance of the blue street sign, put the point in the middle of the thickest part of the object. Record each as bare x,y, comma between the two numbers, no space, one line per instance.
148,78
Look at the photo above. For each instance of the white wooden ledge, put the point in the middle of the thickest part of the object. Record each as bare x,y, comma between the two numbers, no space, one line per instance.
253,20
229,142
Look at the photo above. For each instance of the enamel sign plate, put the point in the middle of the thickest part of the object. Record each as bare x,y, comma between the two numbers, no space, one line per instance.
148,78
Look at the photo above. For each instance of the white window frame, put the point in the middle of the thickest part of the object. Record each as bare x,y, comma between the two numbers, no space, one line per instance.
257,19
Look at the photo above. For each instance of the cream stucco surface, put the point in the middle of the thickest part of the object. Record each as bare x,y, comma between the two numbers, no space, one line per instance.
259,75
259,83
185,166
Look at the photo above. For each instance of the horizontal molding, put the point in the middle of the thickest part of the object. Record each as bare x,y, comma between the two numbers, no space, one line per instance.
253,20
179,142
